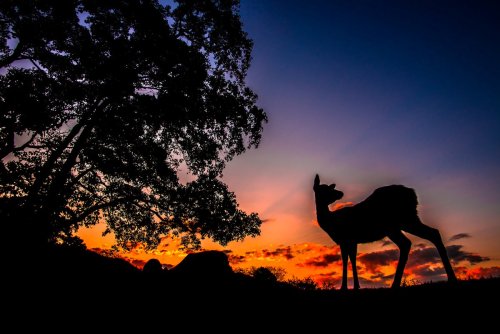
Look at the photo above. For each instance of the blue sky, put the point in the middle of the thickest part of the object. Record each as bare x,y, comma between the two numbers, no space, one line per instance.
369,93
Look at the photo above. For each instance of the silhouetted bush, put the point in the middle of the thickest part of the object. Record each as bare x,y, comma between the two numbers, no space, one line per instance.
263,274
263,271
152,267
307,283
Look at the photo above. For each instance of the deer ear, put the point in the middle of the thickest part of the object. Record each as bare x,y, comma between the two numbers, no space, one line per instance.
316,181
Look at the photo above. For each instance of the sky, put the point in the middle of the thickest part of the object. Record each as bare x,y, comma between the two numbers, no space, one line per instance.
367,94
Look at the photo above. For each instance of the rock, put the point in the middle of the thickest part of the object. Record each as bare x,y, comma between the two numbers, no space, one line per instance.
152,267
207,265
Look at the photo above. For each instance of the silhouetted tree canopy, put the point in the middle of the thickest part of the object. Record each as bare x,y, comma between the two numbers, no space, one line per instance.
267,273
102,102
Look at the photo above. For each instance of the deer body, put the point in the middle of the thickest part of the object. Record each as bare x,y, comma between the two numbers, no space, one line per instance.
385,213
372,219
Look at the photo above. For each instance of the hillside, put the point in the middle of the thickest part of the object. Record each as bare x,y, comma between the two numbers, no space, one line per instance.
116,290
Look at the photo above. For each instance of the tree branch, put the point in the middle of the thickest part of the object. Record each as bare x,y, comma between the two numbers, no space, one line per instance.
90,210
46,169
15,55
26,144
78,177
90,191
10,148
61,176
37,66
148,208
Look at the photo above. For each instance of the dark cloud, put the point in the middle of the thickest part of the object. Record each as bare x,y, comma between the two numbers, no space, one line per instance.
456,255
227,251
421,256
375,259
327,275
320,261
236,259
288,254
430,255
331,257
279,252
381,275
459,236
285,252
429,273
313,247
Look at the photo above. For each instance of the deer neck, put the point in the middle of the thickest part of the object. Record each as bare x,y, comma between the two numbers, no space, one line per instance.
323,214
327,221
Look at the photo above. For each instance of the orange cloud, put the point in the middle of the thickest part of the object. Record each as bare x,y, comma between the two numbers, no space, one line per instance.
340,205
323,263
374,260
477,273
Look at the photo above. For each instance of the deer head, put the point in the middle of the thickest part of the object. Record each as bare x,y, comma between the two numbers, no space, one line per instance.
326,194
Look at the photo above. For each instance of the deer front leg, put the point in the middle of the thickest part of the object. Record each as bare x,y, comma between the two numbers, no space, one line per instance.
353,250
345,258
404,245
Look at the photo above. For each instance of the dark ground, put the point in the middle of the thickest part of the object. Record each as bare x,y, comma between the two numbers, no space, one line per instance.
92,293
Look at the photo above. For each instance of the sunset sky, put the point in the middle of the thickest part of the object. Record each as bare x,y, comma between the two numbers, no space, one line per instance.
366,94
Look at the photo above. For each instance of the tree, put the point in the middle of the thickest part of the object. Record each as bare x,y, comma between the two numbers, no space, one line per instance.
267,274
102,102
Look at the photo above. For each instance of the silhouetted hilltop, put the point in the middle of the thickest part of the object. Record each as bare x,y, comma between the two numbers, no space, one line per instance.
77,261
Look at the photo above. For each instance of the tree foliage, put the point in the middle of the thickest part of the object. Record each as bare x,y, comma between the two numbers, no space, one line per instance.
102,102
268,274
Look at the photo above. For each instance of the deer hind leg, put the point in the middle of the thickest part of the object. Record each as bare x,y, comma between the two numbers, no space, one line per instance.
353,250
344,252
425,232
404,245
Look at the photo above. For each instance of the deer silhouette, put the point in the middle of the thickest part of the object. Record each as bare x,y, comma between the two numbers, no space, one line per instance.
385,213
